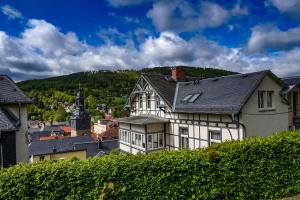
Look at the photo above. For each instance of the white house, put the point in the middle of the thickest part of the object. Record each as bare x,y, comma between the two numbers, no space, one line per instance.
179,112
13,123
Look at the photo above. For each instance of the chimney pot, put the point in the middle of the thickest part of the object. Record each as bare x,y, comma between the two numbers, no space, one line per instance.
178,74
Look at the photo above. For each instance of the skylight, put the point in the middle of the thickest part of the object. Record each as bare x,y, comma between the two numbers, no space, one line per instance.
187,97
193,99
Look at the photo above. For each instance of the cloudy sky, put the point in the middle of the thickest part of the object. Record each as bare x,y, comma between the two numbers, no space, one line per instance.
53,37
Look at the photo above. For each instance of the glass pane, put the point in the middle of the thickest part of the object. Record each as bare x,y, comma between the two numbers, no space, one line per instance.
149,144
155,141
160,140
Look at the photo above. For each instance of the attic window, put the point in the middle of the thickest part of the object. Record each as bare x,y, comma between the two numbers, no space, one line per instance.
195,96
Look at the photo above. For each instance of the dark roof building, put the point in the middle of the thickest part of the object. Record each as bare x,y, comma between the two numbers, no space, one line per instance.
80,120
69,144
13,122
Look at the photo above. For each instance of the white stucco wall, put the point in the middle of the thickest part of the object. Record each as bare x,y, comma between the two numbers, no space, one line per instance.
264,123
21,145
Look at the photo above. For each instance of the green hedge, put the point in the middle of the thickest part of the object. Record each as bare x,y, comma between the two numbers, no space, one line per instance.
256,168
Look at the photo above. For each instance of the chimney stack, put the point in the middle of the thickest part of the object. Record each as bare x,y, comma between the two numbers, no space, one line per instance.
178,74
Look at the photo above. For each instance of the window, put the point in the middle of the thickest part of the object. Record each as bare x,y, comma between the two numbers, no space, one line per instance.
42,158
148,101
193,99
261,95
187,97
215,136
138,139
270,99
155,140
157,101
184,137
124,136
141,101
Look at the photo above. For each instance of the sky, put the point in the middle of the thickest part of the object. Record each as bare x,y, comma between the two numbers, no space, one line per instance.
43,38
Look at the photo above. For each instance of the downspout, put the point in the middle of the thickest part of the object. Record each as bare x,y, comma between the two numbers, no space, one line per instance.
239,123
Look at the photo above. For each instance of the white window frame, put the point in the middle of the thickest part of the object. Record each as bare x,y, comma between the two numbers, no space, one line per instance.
150,145
261,99
138,143
184,136
270,95
213,140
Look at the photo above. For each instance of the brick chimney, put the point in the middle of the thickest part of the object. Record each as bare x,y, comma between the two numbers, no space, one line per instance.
178,74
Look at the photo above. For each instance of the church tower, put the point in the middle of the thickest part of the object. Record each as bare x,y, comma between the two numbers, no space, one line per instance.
80,120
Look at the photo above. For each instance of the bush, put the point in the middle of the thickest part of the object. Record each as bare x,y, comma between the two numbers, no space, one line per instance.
257,168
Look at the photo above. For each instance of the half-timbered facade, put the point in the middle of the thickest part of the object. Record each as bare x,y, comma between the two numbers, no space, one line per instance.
178,112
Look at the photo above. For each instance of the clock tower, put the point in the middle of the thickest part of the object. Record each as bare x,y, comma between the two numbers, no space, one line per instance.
80,120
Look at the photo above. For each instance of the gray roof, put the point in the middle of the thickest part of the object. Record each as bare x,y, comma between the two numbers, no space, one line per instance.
66,144
163,86
10,92
143,120
291,81
222,95
38,134
6,123
54,128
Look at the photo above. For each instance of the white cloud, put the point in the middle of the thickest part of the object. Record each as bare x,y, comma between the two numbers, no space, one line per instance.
42,50
11,12
119,3
181,16
266,37
290,7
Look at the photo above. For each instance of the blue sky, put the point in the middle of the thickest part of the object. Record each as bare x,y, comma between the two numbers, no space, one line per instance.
53,37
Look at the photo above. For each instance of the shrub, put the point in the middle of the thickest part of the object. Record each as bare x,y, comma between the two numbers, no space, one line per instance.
257,168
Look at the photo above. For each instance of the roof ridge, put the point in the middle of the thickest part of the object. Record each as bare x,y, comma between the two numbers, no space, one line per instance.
232,75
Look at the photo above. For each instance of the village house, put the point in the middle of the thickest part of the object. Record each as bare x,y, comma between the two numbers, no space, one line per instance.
177,111
13,123
81,147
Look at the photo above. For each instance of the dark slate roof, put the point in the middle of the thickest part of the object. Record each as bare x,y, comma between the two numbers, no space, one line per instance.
38,134
6,123
107,145
143,120
53,128
291,81
10,92
163,86
222,95
63,145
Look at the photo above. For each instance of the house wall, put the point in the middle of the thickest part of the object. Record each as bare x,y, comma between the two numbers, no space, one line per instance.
263,122
21,143
61,156
291,108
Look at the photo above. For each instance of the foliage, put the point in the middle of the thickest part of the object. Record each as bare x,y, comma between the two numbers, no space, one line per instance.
257,168
109,87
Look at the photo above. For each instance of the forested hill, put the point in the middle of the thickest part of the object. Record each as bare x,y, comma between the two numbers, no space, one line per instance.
109,87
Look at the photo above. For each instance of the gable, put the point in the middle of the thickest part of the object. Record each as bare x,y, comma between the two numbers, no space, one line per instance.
154,83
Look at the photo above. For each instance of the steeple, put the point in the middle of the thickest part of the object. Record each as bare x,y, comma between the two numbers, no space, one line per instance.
80,100
80,120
